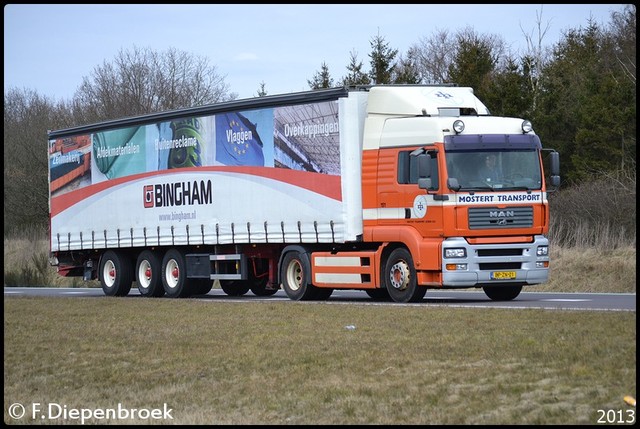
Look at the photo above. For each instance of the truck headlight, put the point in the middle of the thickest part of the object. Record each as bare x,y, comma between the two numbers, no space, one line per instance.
542,251
455,253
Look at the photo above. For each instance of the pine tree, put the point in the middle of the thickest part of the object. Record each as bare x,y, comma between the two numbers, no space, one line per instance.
356,76
321,79
381,60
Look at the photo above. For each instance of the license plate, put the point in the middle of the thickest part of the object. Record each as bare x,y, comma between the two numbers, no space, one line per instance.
502,275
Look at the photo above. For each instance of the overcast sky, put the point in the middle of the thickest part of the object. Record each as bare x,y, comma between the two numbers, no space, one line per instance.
51,48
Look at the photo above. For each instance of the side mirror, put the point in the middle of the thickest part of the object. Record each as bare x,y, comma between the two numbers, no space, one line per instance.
424,183
453,184
554,164
554,169
424,166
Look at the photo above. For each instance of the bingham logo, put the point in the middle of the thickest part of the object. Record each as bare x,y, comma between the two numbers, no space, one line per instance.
177,194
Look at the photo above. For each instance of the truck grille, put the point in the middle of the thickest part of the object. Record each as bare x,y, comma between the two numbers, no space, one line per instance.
499,218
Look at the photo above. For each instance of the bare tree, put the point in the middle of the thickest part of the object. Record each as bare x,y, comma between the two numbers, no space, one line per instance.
406,69
141,81
27,116
622,38
536,57
434,55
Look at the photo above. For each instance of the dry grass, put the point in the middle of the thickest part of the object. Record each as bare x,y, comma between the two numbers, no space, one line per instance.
295,363
591,270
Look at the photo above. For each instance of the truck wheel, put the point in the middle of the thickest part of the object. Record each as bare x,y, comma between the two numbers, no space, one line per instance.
295,266
234,287
174,274
116,273
399,277
259,287
322,293
201,286
378,294
502,293
148,274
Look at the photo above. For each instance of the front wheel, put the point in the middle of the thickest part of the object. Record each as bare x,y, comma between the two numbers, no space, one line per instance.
400,279
378,294
502,293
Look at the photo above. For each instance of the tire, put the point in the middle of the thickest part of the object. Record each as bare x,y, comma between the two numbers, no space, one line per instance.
399,277
115,273
174,275
201,286
294,274
259,278
322,293
502,293
378,294
235,287
259,287
149,274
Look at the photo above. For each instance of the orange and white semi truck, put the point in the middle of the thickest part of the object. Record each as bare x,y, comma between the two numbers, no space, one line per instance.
378,188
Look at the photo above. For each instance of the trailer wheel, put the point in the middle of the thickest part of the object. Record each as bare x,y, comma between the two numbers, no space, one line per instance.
235,287
174,274
502,293
148,274
295,269
260,282
116,273
201,286
399,277
259,287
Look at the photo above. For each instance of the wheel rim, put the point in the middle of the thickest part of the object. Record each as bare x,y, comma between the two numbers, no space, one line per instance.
172,273
109,273
399,275
294,275
144,274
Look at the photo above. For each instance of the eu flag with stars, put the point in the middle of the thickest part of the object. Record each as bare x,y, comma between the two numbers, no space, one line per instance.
237,141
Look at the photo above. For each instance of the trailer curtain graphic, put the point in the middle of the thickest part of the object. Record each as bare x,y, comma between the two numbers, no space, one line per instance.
120,152
307,137
187,143
238,141
69,162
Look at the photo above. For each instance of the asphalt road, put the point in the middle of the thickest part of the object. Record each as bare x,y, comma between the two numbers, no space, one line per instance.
450,298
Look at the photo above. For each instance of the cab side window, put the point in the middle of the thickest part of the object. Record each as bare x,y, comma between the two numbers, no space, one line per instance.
408,169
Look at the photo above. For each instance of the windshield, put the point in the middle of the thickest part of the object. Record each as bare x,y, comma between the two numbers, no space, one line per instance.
479,170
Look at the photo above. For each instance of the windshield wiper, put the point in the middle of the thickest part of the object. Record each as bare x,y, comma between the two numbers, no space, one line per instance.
477,188
518,188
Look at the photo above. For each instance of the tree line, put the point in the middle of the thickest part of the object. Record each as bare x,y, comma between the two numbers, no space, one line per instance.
580,95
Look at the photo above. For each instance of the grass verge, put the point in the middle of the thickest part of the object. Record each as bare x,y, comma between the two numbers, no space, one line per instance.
296,363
